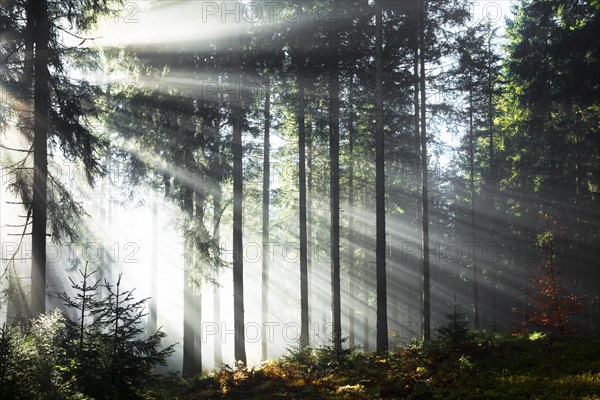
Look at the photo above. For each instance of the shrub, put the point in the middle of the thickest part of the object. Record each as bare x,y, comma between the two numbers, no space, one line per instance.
100,355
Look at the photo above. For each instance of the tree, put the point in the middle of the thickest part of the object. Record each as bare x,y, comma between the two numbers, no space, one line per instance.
190,352
382,325
547,116
61,109
85,302
153,312
301,118
351,223
472,75
238,256
130,358
265,211
217,195
426,302
40,159
551,305
334,182
433,21
99,352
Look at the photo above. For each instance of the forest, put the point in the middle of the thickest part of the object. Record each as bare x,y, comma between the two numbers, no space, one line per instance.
264,199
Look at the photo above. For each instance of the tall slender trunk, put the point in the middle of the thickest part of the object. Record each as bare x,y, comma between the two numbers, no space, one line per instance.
417,166
365,270
382,324
491,114
304,339
265,214
334,177
153,312
188,293
238,187
199,203
351,222
107,270
217,351
40,159
84,296
490,182
104,199
217,196
309,213
426,317
472,210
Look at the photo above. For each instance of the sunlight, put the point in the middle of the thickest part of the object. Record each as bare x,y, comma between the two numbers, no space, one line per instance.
15,252
183,107
189,24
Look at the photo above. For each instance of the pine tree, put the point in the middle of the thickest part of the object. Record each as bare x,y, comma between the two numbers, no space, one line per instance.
266,201
301,120
132,358
333,65
382,323
238,188
455,334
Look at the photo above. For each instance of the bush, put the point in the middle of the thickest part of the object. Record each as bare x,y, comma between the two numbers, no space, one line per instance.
101,355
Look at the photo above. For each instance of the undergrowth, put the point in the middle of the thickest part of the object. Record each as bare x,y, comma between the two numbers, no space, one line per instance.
462,363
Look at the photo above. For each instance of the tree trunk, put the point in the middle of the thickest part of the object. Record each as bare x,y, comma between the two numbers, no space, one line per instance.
153,312
188,293
238,186
490,182
217,196
472,193
40,160
265,216
492,176
304,339
199,203
309,214
382,324
426,317
334,177
351,222
417,166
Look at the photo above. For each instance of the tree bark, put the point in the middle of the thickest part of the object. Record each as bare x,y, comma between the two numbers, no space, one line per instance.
351,225
382,324
475,286
334,177
153,312
419,184
309,213
426,317
199,203
238,186
40,159
304,339
217,196
265,216
188,293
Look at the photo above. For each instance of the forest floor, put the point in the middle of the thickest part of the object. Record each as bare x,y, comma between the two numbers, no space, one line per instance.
488,367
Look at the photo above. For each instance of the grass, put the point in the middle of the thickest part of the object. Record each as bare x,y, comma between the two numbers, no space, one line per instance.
487,367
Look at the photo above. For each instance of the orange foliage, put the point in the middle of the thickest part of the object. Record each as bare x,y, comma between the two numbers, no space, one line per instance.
551,305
